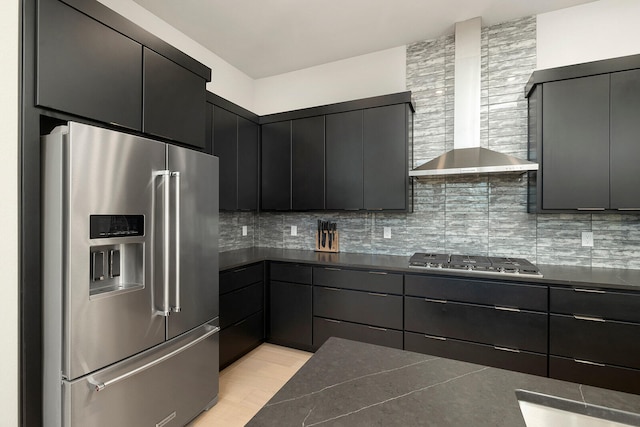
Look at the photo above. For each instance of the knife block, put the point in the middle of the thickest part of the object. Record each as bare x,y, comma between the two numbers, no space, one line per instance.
335,242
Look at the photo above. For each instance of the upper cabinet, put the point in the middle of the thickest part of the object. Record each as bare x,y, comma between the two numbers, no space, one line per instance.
174,101
93,63
235,140
87,69
583,130
352,157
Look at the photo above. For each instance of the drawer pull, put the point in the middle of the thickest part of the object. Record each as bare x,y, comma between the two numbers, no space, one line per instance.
382,273
332,321
590,291
377,329
239,270
433,337
629,209
512,309
377,295
510,350
589,318
439,301
587,362
330,289
590,209
332,268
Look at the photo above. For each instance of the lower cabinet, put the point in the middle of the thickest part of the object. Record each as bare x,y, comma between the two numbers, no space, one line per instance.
290,306
596,374
241,312
323,329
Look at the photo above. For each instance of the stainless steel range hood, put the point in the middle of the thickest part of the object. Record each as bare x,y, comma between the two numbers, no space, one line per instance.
467,157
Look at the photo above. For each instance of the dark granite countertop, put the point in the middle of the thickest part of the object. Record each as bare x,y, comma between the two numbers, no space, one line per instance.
606,278
347,383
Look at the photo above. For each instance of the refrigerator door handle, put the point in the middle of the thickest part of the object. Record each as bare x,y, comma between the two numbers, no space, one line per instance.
166,254
99,386
176,308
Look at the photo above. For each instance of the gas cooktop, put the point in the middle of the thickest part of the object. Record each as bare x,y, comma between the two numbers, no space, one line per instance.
480,264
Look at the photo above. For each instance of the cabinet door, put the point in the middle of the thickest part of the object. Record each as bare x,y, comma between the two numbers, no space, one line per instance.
344,180
276,166
86,68
385,158
575,144
307,163
239,339
625,140
225,146
174,101
248,165
290,314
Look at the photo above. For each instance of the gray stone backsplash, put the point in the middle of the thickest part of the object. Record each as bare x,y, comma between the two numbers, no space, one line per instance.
477,214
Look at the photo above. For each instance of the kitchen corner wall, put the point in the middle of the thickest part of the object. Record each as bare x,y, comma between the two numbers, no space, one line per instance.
476,215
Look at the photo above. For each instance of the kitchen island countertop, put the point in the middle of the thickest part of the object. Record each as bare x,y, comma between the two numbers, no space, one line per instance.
347,383
606,278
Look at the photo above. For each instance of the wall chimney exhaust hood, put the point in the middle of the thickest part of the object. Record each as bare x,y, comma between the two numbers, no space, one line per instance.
467,157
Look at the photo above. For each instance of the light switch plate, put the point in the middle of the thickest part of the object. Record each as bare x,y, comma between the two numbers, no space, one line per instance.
294,230
387,232
244,230
587,238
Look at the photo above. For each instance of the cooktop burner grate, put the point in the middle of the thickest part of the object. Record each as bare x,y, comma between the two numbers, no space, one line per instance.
480,264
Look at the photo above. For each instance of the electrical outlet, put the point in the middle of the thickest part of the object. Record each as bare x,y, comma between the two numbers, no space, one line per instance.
587,238
294,230
387,232
244,230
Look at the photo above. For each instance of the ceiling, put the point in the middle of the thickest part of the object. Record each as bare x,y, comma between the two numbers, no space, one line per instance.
267,37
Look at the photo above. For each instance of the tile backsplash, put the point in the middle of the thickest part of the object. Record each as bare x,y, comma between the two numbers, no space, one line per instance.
477,214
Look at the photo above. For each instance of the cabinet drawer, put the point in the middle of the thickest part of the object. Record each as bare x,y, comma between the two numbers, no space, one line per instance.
294,273
521,330
323,329
374,309
607,342
231,280
371,281
529,297
521,361
240,338
597,303
239,304
611,377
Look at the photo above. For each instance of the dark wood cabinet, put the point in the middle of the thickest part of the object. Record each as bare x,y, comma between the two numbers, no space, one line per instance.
174,101
323,329
385,161
370,281
625,146
248,164
596,374
575,143
290,305
225,146
344,171
276,166
307,163
86,68
241,311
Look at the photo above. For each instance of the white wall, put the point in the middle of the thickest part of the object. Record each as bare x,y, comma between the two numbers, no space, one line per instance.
590,32
9,108
377,73
226,81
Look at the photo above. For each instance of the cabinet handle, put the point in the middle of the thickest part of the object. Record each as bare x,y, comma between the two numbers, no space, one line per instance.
587,362
590,209
332,268
439,301
377,329
513,309
629,209
378,295
332,321
378,272
433,337
589,318
590,291
330,289
510,350
239,270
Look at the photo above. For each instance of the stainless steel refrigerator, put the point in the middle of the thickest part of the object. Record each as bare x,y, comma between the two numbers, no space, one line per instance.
130,286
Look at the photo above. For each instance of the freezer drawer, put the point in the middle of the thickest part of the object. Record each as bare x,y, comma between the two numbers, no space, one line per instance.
166,386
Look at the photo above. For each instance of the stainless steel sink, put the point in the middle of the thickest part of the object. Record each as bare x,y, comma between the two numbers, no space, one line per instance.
542,410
